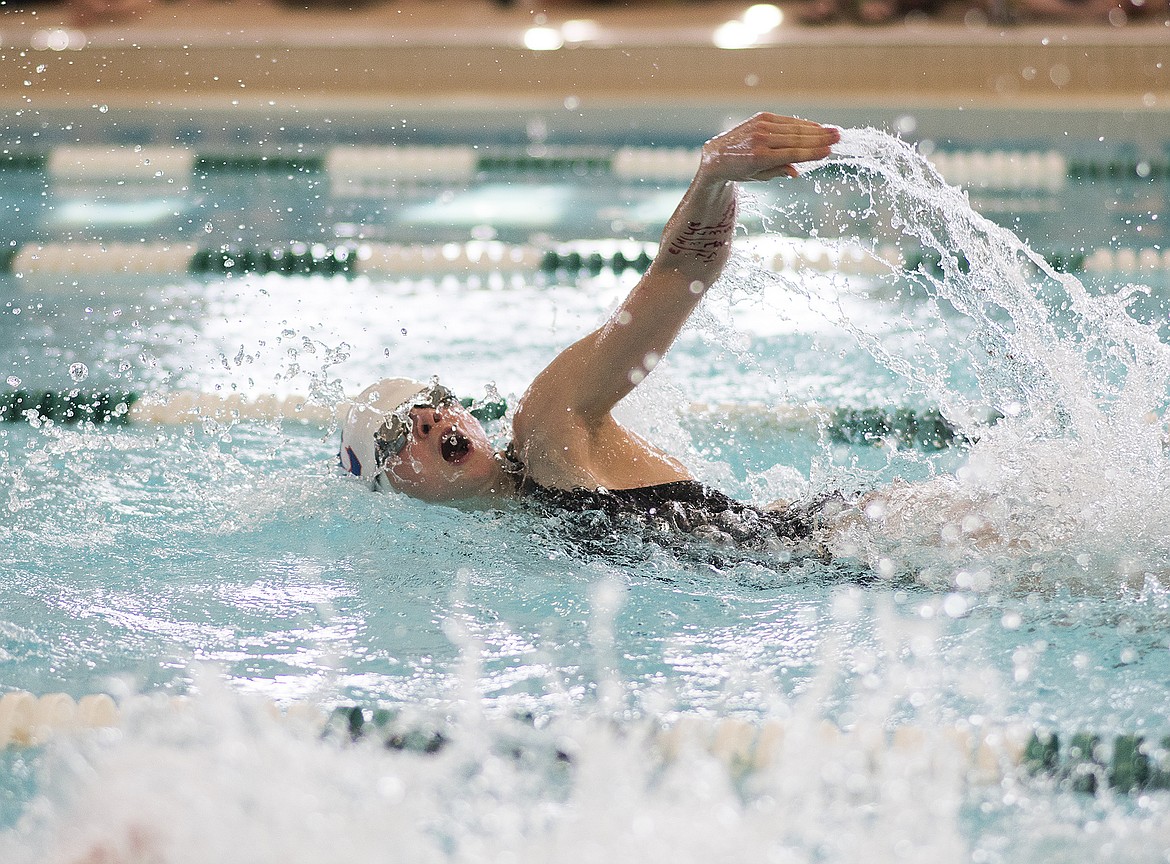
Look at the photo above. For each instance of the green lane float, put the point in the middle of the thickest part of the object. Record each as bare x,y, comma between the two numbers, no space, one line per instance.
1126,763
253,163
295,259
69,406
901,427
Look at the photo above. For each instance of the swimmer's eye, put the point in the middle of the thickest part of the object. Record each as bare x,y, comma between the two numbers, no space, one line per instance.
391,438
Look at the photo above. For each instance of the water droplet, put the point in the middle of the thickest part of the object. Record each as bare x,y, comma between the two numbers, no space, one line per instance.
956,605
78,372
13,381
103,108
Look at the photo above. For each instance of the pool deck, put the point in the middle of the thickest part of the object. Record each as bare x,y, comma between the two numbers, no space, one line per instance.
222,54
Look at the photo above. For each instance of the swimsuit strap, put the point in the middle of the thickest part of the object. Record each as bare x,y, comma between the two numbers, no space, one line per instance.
515,468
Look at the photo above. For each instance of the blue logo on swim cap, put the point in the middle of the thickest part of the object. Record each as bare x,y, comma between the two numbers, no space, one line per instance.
355,467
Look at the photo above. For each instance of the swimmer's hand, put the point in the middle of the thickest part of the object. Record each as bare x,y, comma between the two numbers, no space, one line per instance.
764,147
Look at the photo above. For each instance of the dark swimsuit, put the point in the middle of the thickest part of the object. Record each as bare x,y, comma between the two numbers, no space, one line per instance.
670,513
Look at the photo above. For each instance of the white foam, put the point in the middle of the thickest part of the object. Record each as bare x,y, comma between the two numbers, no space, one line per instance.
220,779
1077,466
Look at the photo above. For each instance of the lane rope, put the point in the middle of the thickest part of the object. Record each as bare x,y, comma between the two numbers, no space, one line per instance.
177,408
352,169
903,427
574,259
1084,761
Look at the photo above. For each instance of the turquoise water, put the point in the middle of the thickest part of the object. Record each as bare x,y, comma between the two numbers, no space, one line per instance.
230,562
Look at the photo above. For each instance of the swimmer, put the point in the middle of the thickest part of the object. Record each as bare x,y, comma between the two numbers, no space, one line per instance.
567,449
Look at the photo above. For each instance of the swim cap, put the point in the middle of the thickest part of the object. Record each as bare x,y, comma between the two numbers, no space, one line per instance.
366,415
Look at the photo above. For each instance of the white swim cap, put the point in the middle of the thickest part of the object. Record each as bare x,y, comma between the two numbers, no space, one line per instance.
367,413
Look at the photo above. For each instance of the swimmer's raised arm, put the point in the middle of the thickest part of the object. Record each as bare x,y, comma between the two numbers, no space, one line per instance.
591,376
417,439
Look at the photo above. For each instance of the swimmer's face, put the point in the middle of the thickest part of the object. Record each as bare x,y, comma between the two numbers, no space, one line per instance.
447,457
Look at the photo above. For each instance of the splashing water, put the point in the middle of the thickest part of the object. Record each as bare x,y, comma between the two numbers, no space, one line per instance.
1077,365
221,780
1076,467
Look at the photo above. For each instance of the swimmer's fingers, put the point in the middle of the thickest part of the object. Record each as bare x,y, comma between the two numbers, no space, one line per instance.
766,146
790,141
791,137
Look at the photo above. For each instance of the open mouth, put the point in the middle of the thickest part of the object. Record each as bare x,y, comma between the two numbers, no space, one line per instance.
454,446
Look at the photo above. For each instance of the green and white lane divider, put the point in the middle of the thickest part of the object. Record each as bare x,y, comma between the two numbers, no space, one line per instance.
316,259
291,259
572,259
924,429
182,407
1085,762
354,168
349,166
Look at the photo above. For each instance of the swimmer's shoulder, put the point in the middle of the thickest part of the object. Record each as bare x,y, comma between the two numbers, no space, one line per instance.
550,441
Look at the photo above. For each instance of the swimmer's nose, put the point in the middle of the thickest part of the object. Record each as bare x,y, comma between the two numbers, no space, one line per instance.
424,422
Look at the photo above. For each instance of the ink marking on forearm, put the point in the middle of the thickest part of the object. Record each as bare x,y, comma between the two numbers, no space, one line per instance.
704,241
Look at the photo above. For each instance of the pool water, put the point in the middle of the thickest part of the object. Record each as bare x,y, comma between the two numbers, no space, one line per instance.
235,564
